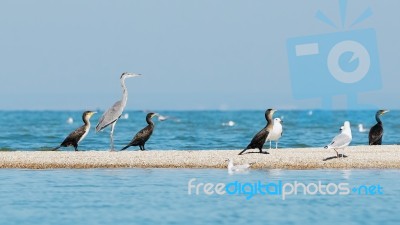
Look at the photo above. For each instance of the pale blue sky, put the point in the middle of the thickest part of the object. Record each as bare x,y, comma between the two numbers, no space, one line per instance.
202,54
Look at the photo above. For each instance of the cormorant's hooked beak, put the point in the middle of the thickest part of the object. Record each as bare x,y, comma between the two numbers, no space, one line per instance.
272,111
92,113
384,111
381,112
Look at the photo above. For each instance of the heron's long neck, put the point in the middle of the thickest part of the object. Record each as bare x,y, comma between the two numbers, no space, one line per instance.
378,118
124,92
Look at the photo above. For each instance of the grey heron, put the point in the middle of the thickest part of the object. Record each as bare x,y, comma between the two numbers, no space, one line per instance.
259,139
111,116
79,134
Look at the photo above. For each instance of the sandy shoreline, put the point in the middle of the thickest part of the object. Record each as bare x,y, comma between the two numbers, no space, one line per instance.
361,157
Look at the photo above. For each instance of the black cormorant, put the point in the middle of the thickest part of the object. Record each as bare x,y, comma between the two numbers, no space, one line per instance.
79,134
259,139
143,135
376,132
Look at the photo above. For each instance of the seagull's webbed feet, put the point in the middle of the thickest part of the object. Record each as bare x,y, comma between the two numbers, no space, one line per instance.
338,156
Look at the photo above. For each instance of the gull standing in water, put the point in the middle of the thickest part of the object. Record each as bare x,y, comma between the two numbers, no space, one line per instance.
342,140
276,133
259,139
376,132
79,134
111,116
143,135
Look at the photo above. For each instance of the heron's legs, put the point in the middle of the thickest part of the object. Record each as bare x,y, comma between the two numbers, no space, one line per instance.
111,137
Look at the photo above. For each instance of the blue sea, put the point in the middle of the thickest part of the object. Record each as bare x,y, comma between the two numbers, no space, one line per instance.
189,130
161,196
169,196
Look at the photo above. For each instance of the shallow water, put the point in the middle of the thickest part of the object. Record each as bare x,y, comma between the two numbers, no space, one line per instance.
193,130
160,196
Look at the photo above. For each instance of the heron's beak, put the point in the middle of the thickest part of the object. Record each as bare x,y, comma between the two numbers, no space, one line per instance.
133,74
